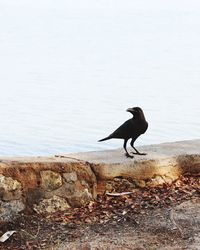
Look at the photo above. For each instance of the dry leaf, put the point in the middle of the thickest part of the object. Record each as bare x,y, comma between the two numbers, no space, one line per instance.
6,235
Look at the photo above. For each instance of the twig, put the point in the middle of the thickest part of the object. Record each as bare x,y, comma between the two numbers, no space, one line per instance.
118,194
31,235
72,158
171,216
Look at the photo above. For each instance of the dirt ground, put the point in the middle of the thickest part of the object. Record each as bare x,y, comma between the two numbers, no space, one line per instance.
173,228
165,217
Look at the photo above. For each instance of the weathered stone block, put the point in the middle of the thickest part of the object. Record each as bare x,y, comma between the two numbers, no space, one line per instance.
51,205
50,180
80,198
157,180
75,193
70,177
10,189
9,210
140,183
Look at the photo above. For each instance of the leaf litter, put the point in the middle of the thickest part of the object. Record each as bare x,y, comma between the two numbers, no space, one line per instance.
44,231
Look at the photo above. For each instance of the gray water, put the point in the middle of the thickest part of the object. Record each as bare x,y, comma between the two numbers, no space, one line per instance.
70,68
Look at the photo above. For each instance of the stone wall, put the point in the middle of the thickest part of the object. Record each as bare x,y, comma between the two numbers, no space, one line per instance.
49,184
44,186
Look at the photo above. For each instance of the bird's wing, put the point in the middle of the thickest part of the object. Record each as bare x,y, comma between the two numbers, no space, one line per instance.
125,130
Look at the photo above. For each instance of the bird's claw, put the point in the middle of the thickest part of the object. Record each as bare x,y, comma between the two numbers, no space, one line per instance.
128,155
138,153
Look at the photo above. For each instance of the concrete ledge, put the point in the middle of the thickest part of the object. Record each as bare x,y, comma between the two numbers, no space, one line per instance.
48,184
163,163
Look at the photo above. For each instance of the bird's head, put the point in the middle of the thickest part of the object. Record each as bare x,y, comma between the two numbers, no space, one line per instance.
136,111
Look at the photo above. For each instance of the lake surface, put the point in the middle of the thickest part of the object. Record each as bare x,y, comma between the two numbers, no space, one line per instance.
70,69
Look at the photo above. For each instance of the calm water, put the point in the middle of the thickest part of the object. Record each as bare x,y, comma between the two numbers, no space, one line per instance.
70,69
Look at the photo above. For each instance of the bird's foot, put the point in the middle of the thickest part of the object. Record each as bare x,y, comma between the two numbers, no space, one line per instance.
128,155
138,153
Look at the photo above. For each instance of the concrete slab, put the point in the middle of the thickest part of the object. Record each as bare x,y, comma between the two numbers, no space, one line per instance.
163,162
154,152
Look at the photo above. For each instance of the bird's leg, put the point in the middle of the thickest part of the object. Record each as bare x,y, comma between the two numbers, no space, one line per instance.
127,154
136,151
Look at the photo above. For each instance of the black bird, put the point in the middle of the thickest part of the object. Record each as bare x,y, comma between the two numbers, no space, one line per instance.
132,128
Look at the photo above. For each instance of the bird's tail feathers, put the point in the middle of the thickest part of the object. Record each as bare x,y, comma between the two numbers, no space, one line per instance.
106,138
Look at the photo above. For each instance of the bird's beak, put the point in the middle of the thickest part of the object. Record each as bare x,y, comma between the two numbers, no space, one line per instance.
131,110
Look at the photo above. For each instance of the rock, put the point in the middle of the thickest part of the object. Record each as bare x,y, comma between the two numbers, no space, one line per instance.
34,195
140,183
50,180
168,179
51,205
75,193
108,187
9,210
157,180
10,189
70,177
80,198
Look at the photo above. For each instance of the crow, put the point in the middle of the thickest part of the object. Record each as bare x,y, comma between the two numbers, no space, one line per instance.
132,128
